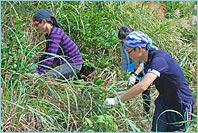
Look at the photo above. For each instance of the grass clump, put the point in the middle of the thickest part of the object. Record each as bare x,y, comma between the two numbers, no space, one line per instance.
26,104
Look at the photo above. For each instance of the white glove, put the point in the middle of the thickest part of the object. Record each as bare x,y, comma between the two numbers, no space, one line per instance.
110,101
131,80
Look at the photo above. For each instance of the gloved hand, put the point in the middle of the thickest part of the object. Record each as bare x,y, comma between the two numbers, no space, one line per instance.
110,101
132,79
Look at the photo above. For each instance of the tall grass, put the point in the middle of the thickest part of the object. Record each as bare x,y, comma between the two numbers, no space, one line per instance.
26,105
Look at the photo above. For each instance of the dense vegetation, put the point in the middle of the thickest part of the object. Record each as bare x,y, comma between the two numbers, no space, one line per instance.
25,104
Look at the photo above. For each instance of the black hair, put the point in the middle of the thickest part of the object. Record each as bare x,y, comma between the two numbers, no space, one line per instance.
54,22
124,31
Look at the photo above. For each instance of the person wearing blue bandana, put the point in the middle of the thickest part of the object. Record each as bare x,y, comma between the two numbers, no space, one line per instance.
174,104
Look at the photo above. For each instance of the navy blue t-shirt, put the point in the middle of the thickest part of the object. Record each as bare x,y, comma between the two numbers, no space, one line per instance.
170,82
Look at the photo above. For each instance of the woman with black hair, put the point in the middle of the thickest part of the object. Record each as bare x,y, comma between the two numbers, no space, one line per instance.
60,49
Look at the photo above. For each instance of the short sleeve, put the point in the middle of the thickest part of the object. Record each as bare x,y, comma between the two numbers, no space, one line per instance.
158,66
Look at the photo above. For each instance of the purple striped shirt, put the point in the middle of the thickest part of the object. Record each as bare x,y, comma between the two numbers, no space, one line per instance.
60,44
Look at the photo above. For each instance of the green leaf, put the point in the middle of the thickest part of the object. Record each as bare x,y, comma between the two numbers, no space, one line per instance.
97,81
90,123
100,119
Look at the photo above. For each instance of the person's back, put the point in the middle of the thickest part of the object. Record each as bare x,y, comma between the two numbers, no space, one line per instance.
171,81
63,45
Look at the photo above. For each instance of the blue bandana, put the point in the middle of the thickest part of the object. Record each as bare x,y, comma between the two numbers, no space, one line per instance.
47,15
138,38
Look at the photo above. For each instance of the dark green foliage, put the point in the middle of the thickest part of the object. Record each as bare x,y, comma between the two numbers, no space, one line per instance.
185,9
